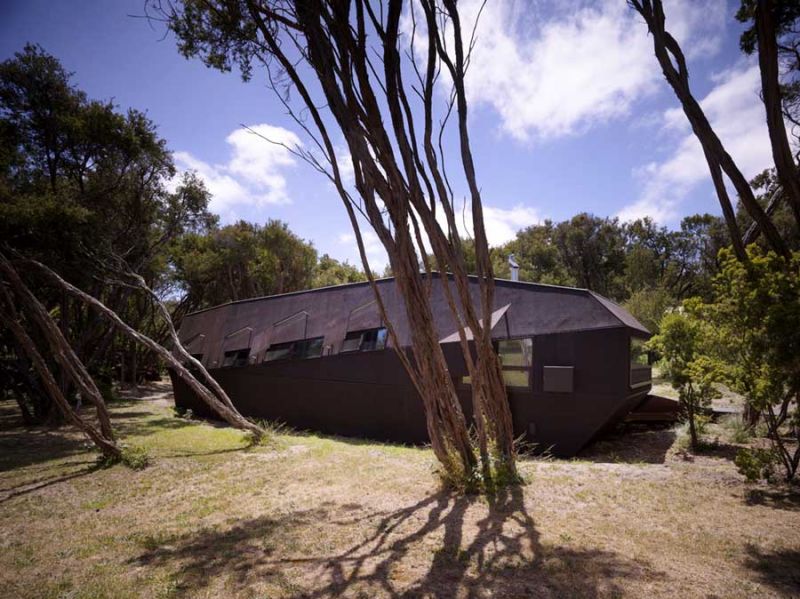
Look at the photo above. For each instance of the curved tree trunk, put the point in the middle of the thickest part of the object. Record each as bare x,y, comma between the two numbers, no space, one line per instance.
11,319
666,49
223,409
788,174
72,367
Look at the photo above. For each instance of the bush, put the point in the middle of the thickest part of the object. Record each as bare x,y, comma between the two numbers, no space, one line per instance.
135,457
737,428
756,464
181,412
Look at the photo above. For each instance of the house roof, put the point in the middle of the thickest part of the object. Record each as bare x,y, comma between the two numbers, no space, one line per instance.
522,309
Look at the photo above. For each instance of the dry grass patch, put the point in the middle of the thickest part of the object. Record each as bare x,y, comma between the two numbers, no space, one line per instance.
322,517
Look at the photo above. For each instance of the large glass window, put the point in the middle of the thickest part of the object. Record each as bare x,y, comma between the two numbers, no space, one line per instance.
236,357
299,349
640,364
516,356
638,353
367,340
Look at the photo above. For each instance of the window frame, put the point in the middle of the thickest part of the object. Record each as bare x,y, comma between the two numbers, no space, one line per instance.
238,360
298,349
381,337
637,366
527,369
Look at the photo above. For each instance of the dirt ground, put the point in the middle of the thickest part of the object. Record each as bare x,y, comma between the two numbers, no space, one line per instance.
313,516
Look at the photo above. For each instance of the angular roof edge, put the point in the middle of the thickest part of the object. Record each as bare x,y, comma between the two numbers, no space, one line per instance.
620,313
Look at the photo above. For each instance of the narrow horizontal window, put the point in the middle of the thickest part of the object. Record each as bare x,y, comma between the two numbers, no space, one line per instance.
299,349
279,351
309,348
236,357
512,378
367,340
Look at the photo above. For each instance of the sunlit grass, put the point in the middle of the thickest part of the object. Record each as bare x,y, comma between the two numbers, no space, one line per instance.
325,516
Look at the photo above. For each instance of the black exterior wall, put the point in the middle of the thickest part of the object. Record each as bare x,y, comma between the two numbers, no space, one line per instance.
369,394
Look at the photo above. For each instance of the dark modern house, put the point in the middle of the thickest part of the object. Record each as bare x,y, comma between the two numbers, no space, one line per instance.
321,360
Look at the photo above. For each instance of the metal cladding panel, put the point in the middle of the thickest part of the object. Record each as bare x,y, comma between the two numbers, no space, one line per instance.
331,312
622,314
363,317
195,344
291,328
239,339
369,394
558,379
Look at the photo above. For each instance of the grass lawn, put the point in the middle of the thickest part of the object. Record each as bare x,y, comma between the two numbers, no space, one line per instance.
320,517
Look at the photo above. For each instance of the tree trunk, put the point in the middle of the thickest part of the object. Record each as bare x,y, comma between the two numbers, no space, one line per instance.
70,364
692,427
666,48
10,318
771,94
223,408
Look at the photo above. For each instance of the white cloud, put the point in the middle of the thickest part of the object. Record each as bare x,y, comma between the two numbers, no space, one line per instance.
502,224
735,111
579,67
254,173
372,246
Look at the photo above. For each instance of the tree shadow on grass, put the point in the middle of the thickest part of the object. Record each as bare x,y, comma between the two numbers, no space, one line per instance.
432,548
779,570
717,449
22,445
68,472
786,498
632,443
144,424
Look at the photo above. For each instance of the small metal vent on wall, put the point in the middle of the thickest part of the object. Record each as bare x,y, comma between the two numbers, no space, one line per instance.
558,379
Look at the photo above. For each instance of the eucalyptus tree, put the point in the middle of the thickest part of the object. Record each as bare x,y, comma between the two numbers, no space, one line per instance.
387,77
774,33
673,64
85,195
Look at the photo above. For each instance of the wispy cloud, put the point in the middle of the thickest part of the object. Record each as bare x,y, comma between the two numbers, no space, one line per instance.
559,74
737,115
502,224
254,174
372,246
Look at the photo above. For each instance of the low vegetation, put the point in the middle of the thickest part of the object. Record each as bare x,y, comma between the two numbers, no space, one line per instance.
313,516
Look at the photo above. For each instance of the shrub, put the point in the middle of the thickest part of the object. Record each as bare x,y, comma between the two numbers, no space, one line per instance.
181,412
756,464
737,428
135,457
271,430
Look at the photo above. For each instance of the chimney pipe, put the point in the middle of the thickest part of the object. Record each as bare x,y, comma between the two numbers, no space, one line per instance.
514,267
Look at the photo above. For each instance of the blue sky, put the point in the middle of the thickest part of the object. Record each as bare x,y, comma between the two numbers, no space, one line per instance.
569,111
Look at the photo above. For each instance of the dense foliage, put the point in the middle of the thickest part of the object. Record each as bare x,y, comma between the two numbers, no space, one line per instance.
681,345
93,193
646,267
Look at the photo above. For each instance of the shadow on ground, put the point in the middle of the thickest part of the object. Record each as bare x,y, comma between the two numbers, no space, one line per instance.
632,443
779,498
22,445
779,570
500,553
